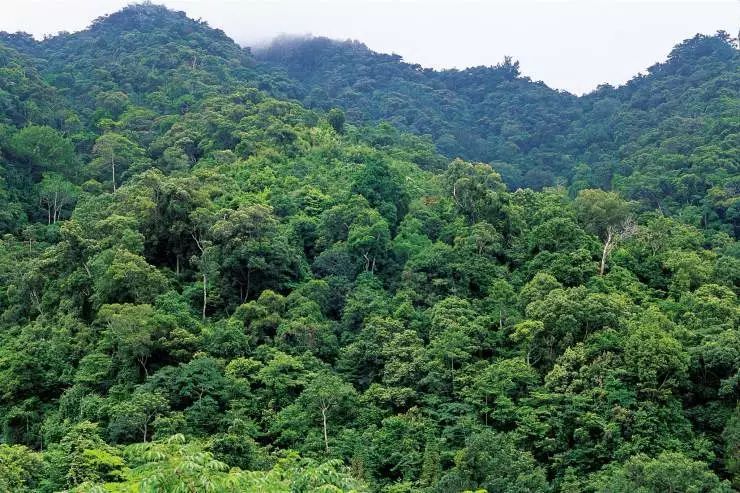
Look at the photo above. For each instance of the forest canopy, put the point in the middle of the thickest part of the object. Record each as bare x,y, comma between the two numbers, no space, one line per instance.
319,268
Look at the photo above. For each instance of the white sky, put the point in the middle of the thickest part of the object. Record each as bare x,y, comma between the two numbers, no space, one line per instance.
569,44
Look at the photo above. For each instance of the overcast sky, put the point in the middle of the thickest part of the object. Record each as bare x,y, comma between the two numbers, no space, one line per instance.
572,45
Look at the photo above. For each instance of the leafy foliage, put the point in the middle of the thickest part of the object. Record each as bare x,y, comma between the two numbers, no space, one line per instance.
666,139
207,286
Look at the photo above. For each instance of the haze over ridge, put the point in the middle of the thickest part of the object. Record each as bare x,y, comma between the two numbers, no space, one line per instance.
572,46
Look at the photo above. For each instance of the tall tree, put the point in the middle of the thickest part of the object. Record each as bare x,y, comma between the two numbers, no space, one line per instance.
114,155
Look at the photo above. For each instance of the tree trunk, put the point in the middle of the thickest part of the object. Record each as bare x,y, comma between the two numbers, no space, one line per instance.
605,252
205,295
113,168
452,366
142,361
486,413
58,204
326,436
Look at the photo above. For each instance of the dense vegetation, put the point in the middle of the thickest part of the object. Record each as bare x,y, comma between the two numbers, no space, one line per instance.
668,138
207,286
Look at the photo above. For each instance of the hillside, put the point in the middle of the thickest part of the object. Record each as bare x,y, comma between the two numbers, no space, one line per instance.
649,139
482,113
206,285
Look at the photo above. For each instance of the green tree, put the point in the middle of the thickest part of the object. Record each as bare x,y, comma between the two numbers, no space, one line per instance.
44,149
476,190
336,120
21,469
56,193
130,333
120,276
114,153
606,215
132,418
492,462
669,471
326,400
81,456
495,391
254,254
657,359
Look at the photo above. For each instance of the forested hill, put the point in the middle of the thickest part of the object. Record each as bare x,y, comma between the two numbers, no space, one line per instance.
158,58
482,113
656,134
207,286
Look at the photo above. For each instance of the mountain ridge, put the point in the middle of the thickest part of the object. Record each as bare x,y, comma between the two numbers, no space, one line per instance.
533,135
462,119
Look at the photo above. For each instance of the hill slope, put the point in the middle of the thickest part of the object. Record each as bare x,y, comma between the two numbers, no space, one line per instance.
536,136
483,113
159,58
204,287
